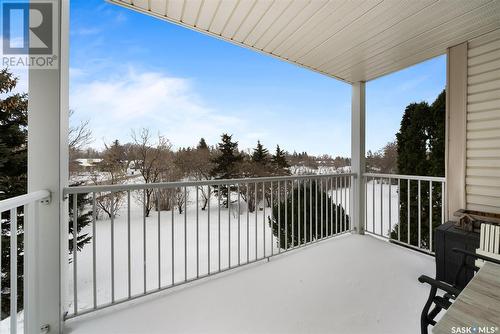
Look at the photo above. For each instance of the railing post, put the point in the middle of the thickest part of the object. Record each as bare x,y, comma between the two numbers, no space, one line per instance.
358,156
48,169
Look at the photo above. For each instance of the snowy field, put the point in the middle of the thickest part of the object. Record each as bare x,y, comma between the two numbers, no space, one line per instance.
244,236
380,205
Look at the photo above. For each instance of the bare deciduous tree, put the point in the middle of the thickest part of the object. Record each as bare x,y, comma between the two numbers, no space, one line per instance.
196,164
114,171
153,160
181,199
79,136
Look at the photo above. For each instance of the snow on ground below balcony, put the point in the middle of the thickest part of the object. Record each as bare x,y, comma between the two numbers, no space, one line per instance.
348,284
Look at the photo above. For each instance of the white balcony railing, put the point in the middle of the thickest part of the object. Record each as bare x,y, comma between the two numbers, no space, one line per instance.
194,230
19,218
404,208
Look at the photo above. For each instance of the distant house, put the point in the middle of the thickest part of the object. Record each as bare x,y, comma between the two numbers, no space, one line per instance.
87,163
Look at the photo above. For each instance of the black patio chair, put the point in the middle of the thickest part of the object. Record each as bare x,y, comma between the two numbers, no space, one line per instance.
451,292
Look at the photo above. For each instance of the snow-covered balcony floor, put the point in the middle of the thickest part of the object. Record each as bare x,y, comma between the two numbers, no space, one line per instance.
348,284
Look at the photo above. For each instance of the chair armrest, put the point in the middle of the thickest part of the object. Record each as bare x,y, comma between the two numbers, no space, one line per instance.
440,285
474,255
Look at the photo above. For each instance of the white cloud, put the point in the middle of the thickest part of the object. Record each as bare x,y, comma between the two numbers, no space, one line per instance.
167,105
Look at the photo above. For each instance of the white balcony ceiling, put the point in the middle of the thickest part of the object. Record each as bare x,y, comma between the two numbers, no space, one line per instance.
351,40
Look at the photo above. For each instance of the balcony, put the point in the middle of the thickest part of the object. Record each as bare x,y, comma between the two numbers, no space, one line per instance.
137,264
347,284
206,270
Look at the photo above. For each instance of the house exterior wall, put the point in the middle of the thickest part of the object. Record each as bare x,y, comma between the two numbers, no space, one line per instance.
482,175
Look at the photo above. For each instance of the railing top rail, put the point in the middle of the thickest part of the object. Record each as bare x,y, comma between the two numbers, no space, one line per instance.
126,187
407,177
18,201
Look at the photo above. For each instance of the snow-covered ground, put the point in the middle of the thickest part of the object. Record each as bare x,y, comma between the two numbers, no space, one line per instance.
234,230
381,206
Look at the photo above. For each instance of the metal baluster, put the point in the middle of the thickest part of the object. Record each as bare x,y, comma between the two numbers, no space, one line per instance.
342,204
229,225
129,270
330,199
112,247
144,237
75,257
305,212
208,228
256,223
159,238
293,214
373,204
299,236
239,222
272,250
264,217
13,268
316,207
399,209
286,215
279,217
419,217
381,206
430,216
408,209
366,201
310,210
94,265
345,206
248,221
218,222
197,234
185,234
352,204
337,225
172,209
321,205
390,206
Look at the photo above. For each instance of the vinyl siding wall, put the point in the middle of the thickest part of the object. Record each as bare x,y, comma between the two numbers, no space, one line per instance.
483,124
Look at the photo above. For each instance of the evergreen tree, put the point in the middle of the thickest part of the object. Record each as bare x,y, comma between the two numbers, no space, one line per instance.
437,135
202,145
279,160
260,154
13,177
84,218
305,221
13,138
226,164
227,159
420,146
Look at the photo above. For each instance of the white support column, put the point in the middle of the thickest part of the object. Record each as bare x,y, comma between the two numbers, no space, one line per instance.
48,169
456,128
358,156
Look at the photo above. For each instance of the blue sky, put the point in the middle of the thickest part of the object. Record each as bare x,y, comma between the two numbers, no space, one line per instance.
130,71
